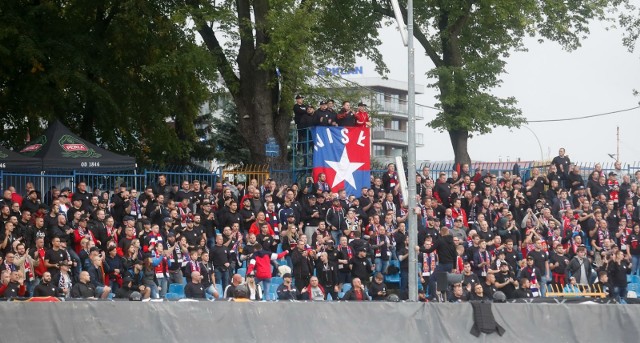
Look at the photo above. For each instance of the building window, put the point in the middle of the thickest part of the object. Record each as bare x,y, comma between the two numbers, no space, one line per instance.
378,150
395,125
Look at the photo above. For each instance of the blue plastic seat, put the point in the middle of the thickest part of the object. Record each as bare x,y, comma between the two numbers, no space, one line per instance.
393,278
634,287
276,280
345,288
176,288
633,279
242,271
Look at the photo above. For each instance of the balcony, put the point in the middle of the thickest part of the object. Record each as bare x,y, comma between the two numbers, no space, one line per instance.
398,109
395,136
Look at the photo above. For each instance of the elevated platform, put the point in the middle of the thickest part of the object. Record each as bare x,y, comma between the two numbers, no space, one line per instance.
124,321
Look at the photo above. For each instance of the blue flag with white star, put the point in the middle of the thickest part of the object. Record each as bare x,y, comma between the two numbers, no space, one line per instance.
343,155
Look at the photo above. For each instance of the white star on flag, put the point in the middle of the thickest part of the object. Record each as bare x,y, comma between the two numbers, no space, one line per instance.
344,169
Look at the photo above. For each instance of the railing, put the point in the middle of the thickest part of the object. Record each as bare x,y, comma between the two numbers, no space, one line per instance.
497,168
389,134
395,135
43,182
398,108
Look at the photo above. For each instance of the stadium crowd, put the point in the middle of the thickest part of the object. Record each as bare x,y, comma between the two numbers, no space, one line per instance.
497,232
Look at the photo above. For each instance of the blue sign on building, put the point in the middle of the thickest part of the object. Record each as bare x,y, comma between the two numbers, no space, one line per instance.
357,70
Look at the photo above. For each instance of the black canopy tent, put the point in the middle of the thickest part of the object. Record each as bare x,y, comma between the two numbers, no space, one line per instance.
60,149
13,161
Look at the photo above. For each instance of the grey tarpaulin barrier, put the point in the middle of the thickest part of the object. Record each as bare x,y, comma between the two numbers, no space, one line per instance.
309,322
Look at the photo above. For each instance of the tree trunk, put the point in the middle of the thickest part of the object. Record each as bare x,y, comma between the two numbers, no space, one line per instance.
258,121
254,89
459,139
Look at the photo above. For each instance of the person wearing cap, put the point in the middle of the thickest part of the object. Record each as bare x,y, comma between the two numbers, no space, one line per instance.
324,117
299,110
137,275
31,203
506,281
302,123
336,219
361,266
613,187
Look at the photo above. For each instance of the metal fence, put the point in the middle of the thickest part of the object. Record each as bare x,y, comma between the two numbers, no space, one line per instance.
43,182
497,168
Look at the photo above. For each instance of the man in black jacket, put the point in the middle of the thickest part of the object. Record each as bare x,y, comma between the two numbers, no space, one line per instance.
361,266
46,288
524,292
302,265
327,273
84,289
378,289
195,289
618,269
447,256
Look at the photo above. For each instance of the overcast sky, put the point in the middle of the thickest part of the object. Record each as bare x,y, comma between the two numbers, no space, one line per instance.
549,83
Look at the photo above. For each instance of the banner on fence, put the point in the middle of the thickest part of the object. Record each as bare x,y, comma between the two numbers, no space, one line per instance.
343,154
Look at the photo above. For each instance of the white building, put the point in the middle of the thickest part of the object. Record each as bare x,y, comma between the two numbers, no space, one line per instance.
390,102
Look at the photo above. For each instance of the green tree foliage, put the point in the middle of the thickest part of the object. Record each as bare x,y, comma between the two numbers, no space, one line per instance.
468,42
122,73
266,50
229,145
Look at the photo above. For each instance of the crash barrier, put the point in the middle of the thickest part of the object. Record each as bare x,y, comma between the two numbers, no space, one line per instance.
221,321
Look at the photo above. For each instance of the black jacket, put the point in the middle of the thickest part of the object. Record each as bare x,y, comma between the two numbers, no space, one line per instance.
351,295
327,275
445,248
194,291
83,290
47,290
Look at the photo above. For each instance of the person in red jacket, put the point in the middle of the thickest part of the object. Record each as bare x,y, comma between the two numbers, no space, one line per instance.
260,265
362,117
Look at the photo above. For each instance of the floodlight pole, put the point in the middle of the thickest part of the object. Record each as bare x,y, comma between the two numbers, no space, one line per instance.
411,156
